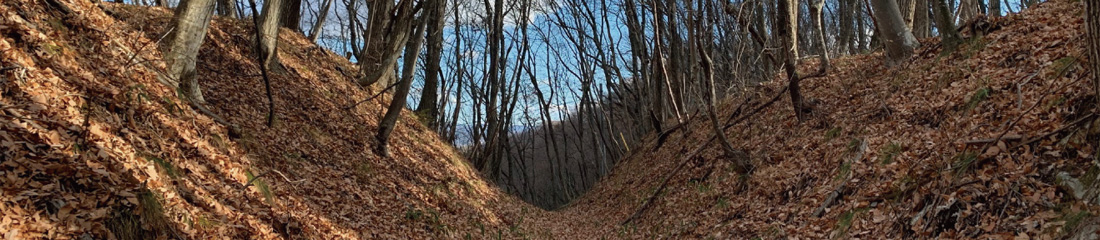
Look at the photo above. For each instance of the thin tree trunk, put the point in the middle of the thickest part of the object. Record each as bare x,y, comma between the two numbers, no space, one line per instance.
427,109
318,26
400,96
267,34
819,27
741,165
787,32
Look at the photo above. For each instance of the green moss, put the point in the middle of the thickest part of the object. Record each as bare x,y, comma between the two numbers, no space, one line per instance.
963,161
979,96
832,133
845,222
163,165
262,186
1073,218
973,46
845,170
889,152
1060,67
722,203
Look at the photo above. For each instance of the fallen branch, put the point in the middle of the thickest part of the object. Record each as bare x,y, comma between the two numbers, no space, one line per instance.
664,135
1011,137
830,199
1008,127
683,162
373,96
664,183
234,130
250,181
1056,131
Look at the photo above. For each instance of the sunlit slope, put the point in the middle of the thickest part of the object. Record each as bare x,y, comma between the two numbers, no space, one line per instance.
906,144
93,144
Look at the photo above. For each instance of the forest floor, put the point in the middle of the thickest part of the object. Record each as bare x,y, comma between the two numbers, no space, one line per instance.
93,145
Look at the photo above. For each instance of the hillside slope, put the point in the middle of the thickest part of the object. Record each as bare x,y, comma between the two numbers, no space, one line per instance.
895,139
93,145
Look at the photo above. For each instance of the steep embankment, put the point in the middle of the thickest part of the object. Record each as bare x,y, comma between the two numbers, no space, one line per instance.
93,144
904,143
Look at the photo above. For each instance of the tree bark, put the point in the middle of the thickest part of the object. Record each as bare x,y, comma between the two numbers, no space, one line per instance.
945,26
291,14
428,108
386,36
787,33
995,8
269,32
898,40
318,26
1092,22
191,22
819,27
400,96
922,27
227,8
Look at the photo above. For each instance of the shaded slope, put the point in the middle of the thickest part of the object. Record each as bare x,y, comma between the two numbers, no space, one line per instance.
93,144
896,139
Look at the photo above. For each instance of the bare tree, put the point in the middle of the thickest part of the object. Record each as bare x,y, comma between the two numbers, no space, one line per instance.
388,30
408,69
267,43
899,41
428,109
319,25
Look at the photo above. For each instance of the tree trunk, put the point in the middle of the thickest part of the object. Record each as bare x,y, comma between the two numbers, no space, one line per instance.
787,33
846,28
945,26
995,8
819,27
898,40
227,8
386,36
861,28
1092,31
269,32
191,21
318,26
400,96
291,14
922,27
428,108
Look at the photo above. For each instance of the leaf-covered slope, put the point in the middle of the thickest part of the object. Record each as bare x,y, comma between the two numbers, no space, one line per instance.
93,144
905,143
